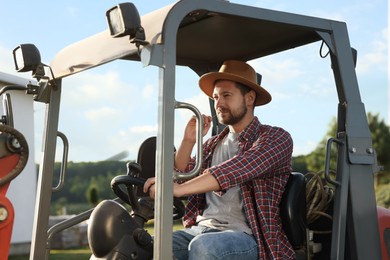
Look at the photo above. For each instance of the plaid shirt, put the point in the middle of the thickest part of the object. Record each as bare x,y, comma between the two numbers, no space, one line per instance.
261,169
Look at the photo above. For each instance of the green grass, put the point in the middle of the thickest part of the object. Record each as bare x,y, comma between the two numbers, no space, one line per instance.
72,254
68,254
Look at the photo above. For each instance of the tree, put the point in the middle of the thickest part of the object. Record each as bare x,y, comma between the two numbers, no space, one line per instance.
380,139
85,183
92,195
316,159
380,133
383,195
299,164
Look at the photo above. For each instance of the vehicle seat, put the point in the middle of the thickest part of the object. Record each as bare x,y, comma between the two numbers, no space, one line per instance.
293,211
147,159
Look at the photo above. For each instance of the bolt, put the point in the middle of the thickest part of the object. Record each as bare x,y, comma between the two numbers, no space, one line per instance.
370,150
353,150
3,213
15,143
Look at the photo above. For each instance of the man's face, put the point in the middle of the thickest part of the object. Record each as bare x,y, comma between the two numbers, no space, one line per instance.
230,104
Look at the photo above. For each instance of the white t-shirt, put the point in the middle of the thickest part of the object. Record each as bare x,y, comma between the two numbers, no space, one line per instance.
225,212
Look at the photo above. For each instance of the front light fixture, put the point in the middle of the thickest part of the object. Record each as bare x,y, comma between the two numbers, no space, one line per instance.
123,20
28,58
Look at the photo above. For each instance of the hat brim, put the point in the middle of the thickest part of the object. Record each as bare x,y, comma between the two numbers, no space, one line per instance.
206,84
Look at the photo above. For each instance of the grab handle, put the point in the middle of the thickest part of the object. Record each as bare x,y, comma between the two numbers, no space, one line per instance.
327,160
199,142
64,162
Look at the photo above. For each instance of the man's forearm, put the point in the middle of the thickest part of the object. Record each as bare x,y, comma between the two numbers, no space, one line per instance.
201,184
183,155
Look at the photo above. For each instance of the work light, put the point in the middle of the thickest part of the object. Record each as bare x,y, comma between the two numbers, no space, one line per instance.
26,58
123,20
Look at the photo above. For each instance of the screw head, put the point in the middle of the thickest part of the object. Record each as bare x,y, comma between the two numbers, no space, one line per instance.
3,214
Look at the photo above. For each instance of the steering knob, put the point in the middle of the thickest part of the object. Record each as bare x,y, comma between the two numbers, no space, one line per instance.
133,168
142,237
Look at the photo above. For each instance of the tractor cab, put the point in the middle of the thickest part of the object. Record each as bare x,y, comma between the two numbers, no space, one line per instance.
201,35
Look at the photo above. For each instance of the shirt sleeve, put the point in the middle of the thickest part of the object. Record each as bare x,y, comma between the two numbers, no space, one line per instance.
206,151
270,154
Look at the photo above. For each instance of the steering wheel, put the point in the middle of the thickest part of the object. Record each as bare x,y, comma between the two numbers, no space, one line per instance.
141,206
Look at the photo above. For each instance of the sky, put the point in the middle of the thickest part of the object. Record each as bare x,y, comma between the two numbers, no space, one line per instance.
113,108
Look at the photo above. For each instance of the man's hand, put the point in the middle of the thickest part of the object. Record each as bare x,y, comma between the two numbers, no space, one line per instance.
190,130
183,154
150,187
201,184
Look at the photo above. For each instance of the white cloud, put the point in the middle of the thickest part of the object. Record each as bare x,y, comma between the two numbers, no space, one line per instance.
101,114
99,109
92,87
144,129
376,56
200,101
300,74
304,148
130,139
277,71
148,91
72,11
6,62
322,87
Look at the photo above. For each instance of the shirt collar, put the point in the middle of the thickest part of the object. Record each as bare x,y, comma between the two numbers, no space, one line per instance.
250,131
247,134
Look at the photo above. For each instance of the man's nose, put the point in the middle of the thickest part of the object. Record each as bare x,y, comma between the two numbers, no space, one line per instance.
218,103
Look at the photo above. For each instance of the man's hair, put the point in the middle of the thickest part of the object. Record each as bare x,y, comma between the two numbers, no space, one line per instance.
243,88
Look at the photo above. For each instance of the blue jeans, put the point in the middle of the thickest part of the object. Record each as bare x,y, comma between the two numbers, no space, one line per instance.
201,243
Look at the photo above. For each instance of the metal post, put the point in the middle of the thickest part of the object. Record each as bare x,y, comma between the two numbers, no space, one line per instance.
361,223
39,248
164,163
340,202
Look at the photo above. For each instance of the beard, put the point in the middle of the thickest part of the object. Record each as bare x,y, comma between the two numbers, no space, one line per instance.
232,117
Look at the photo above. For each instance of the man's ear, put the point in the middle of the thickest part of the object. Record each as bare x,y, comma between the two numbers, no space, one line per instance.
251,98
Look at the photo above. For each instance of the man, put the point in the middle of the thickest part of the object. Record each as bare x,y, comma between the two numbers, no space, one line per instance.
233,205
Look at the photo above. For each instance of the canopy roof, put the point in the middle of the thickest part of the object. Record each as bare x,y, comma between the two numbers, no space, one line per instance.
217,31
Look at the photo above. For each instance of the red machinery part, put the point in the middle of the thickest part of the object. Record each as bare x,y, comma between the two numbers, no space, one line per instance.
7,213
384,231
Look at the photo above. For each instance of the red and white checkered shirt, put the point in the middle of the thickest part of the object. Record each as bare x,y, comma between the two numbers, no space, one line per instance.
261,169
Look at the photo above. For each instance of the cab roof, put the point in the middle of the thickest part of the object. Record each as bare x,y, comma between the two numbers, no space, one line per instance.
208,33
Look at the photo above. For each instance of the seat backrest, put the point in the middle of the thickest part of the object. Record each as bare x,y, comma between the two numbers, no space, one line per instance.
147,159
293,210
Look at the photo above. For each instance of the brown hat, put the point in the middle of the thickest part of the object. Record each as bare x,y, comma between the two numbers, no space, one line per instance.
237,71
